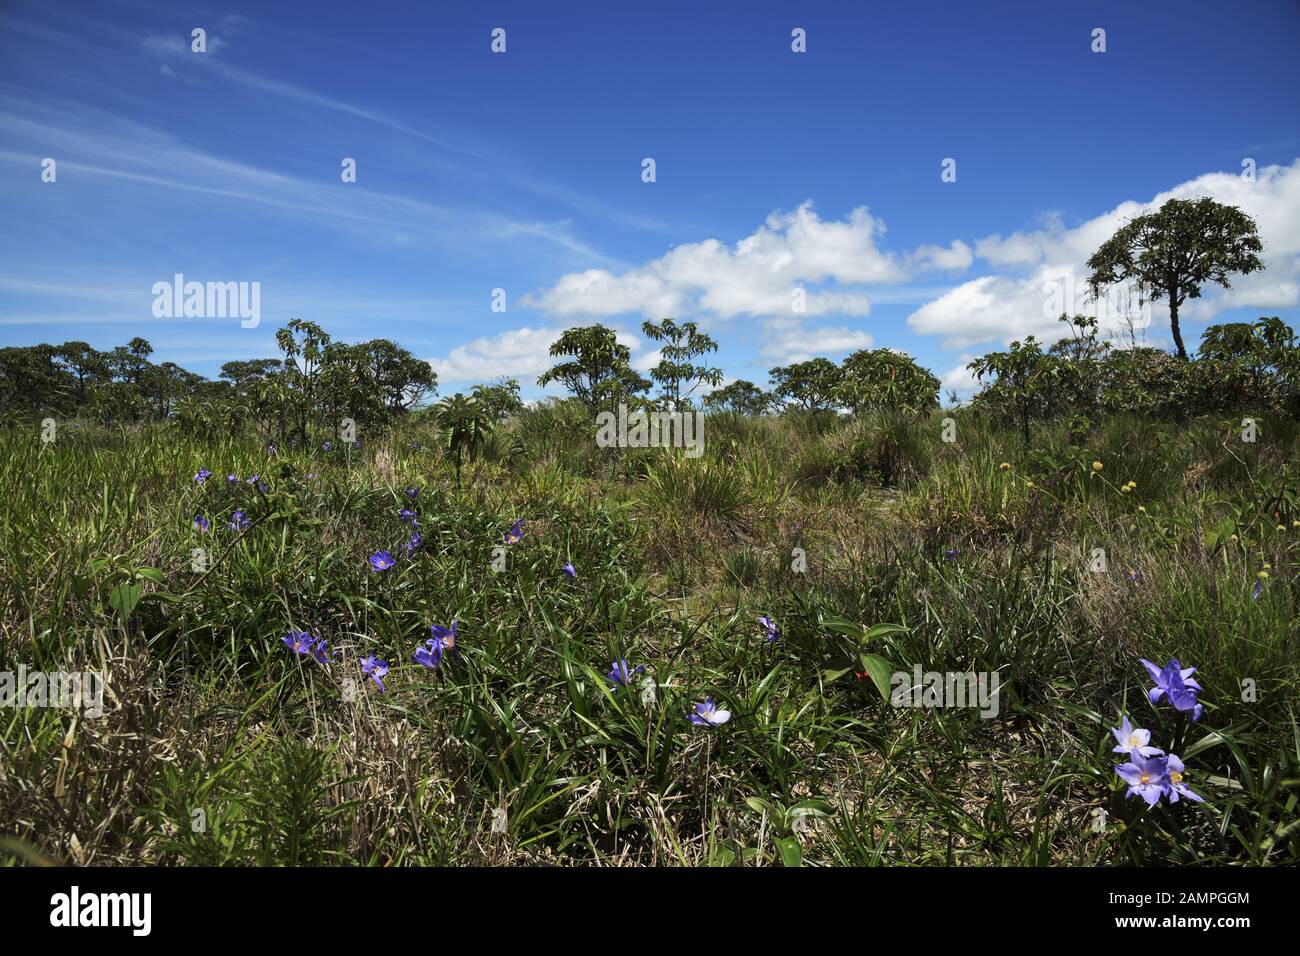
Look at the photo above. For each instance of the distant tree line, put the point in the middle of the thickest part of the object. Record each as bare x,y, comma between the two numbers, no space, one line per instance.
315,382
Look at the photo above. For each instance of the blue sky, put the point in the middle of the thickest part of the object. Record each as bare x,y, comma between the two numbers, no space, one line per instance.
775,170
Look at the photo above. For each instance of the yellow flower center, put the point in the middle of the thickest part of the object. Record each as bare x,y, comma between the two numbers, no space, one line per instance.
1175,777
1145,778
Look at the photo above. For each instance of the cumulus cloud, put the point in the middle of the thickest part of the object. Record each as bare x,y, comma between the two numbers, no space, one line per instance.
522,353
758,276
1052,271
790,340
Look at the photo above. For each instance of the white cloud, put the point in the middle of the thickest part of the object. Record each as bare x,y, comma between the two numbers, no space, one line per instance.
758,275
522,353
1052,261
789,340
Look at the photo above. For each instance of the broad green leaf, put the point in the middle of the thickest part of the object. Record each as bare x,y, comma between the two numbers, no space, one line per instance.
880,670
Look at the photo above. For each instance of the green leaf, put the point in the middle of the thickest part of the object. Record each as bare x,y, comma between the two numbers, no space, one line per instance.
124,598
791,851
151,574
883,630
879,669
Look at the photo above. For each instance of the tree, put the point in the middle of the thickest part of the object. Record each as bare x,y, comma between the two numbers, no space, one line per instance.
739,396
464,424
90,367
810,385
501,399
682,344
886,379
1176,250
599,372
1023,380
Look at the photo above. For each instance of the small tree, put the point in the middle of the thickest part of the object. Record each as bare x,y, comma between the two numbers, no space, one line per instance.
464,424
1176,250
810,385
599,370
675,371
1023,378
883,378
739,396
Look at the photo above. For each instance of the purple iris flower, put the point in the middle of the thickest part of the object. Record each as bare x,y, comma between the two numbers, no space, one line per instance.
412,493
357,444
1146,777
407,516
443,642
203,475
1134,576
381,561
429,654
706,714
950,554
1175,786
1174,681
201,523
443,636
570,570
1257,590
1133,740
516,532
376,669
325,446
413,544
300,642
321,652
770,631
239,521
620,676
257,482
232,479
270,447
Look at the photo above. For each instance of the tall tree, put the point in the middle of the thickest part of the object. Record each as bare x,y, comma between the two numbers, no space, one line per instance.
599,370
810,385
676,371
1173,252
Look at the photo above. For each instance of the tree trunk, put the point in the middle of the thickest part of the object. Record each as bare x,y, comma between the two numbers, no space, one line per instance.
1173,323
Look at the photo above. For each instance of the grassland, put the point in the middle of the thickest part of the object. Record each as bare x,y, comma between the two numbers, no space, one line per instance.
219,745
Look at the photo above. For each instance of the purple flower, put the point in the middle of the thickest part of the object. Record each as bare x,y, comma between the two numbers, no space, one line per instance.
770,631
357,444
325,446
300,642
257,482
203,475
412,493
620,676
1133,740
201,523
232,479
443,636
270,447
1257,590
1175,682
570,570
239,521
412,544
407,516
375,668
950,554
381,561
429,654
1134,576
1146,777
516,532
1175,787
706,714
321,652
